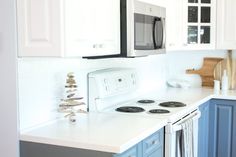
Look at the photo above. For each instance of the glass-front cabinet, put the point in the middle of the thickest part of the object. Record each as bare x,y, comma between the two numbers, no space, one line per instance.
199,24
191,24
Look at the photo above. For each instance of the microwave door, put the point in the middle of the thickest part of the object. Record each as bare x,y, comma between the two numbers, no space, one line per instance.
143,32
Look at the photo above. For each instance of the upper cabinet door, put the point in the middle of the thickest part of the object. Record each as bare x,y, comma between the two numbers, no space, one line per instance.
77,28
199,22
226,24
108,26
191,25
80,27
174,25
39,27
92,27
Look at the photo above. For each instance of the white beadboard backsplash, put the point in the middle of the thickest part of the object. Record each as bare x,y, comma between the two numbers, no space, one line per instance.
42,80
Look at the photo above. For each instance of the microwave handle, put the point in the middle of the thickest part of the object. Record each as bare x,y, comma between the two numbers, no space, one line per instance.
164,32
154,33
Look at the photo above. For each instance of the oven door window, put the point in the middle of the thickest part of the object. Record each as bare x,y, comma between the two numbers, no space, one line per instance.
148,32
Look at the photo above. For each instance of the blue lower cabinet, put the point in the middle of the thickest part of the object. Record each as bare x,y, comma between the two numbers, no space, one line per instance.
156,153
132,152
222,128
203,130
152,146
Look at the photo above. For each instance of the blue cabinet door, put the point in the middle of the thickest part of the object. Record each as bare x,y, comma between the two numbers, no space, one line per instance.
132,152
156,153
203,130
222,133
153,146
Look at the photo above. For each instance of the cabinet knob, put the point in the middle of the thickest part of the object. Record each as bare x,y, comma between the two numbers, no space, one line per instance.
150,9
95,46
154,142
100,46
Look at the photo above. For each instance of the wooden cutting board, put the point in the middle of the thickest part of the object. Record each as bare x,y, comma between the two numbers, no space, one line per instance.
231,71
207,71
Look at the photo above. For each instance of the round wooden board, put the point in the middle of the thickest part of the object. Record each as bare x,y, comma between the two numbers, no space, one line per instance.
231,72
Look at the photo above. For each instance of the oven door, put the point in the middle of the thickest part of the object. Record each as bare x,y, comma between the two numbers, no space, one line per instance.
148,32
172,135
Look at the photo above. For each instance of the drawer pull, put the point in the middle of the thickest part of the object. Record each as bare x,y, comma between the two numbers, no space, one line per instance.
154,142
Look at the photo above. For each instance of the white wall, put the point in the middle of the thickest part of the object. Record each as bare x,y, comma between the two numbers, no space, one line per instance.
179,61
8,92
41,81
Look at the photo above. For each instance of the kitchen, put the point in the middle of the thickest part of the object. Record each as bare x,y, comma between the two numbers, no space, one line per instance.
47,74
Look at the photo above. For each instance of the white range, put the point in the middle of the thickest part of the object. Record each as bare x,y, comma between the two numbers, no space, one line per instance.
112,91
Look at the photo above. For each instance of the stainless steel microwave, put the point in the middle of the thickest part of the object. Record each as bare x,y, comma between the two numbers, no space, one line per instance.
143,30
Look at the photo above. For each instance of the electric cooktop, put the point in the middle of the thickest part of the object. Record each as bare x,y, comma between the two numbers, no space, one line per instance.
156,108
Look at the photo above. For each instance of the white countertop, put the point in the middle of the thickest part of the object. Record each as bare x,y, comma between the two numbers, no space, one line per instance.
116,133
96,131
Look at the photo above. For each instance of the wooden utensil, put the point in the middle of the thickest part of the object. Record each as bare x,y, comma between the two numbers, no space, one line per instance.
231,71
229,65
233,77
207,71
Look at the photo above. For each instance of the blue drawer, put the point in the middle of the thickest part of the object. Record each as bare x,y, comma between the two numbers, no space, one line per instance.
153,142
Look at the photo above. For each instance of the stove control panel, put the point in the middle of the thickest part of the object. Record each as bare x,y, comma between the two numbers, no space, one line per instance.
118,83
112,82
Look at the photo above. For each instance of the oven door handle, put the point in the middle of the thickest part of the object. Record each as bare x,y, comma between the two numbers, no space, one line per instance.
177,126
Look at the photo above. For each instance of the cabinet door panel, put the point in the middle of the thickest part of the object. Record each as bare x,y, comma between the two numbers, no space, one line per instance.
80,27
157,153
174,25
39,27
92,27
191,24
203,130
153,145
153,142
226,24
222,129
108,26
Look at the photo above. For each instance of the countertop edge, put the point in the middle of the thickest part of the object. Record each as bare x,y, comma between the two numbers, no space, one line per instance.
90,146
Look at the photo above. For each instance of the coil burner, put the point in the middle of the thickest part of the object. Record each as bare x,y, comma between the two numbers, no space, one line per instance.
146,101
159,111
172,104
130,109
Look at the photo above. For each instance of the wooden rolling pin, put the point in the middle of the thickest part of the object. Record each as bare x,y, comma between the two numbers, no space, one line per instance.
207,71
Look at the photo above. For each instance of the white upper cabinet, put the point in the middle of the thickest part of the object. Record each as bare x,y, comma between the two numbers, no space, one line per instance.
191,24
226,24
39,27
174,25
92,27
161,3
68,27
